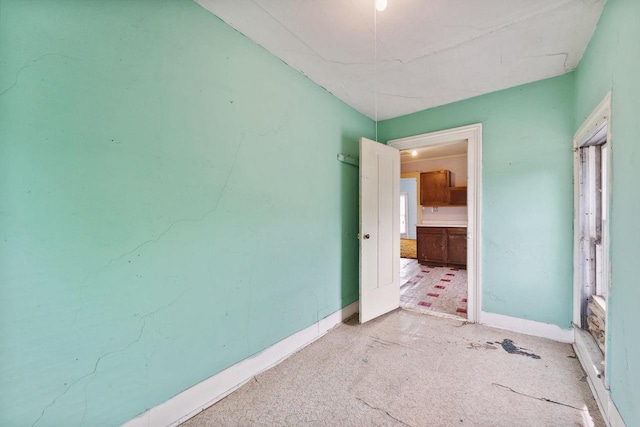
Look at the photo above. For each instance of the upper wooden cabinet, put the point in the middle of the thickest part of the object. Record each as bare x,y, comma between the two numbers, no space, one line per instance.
434,188
458,196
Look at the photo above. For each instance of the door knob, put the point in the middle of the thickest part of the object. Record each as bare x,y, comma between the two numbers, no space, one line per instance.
366,237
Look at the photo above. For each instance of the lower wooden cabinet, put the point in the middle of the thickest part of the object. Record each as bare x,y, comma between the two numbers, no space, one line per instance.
442,246
457,246
432,243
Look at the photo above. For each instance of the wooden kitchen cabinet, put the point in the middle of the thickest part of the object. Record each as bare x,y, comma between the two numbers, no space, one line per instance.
457,246
442,246
431,244
457,196
434,188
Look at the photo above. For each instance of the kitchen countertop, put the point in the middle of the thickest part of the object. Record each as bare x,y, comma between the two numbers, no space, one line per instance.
443,224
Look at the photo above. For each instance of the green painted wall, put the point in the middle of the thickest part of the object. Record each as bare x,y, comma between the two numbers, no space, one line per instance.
527,194
171,204
612,63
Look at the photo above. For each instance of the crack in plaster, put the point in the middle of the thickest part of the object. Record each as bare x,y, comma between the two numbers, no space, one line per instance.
420,98
374,33
274,131
305,43
83,286
82,283
292,33
544,399
143,319
566,58
516,21
30,64
249,306
157,8
626,351
94,371
495,297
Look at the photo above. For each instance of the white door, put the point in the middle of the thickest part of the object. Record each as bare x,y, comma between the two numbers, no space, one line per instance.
379,229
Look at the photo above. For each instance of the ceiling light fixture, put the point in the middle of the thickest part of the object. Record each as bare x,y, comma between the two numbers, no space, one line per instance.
381,5
414,153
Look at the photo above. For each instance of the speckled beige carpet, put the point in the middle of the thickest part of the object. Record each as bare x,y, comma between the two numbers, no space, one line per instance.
408,248
407,369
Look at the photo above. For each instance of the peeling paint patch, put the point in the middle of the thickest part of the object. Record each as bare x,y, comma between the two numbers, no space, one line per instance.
480,346
510,347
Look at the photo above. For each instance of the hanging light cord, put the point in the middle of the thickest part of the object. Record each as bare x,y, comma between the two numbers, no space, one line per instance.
375,68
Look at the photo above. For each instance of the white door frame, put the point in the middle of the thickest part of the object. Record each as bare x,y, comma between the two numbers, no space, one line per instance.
473,134
599,118
406,214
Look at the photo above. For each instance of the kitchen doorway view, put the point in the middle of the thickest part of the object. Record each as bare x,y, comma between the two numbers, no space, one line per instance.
433,227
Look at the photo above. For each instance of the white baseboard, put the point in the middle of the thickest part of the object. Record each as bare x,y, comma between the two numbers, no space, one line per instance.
527,327
199,397
590,358
614,417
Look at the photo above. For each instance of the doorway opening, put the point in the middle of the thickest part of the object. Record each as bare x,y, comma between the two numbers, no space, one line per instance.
439,264
434,251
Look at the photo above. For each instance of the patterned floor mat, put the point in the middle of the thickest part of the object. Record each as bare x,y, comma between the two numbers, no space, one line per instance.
439,289
408,248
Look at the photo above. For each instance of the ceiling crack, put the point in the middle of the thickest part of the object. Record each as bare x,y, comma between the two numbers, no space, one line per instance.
565,54
305,43
401,96
491,31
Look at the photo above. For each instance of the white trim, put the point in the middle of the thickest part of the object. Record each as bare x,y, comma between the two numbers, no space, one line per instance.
201,396
590,358
443,223
600,117
586,349
594,122
437,314
406,214
473,134
411,160
527,327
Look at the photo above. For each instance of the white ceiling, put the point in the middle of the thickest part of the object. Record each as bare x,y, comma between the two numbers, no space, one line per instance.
452,149
429,52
